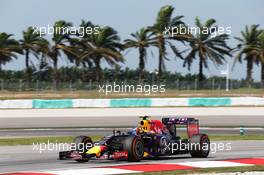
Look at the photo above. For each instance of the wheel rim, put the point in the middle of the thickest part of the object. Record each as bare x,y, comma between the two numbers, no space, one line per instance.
139,149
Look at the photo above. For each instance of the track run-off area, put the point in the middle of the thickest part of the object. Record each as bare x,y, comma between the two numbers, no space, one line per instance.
25,159
110,117
45,122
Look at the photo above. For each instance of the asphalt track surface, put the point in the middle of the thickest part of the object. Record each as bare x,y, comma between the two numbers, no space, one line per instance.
41,123
23,158
114,117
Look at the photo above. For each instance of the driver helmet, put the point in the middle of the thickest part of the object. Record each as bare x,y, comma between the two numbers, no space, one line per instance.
145,125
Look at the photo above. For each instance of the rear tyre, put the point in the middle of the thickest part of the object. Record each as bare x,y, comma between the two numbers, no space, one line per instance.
135,148
82,144
199,146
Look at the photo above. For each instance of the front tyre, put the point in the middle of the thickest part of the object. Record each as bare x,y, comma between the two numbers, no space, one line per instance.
199,146
82,143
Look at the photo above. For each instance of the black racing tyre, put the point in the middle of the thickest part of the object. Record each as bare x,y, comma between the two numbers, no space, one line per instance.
135,148
199,145
82,143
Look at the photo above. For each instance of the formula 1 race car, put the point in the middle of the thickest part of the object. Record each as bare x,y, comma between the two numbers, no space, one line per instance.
150,139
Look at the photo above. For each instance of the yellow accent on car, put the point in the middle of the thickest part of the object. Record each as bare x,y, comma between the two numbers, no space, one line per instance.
146,154
95,150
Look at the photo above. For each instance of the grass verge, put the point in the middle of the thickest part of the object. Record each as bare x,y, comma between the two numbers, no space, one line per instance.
236,137
69,139
208,170
31,140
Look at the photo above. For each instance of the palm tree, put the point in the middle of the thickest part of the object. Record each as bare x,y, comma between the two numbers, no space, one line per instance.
60,43
83,38
247,47
103,45
33,43
142,39
205,46
78,45
164,21
261,56
9,48
257,51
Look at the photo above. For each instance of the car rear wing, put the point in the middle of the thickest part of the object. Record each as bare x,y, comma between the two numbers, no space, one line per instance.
191,123
178,121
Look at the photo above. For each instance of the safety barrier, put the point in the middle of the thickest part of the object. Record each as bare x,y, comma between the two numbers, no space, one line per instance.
52,103
209,101
247,101
91,103
131,102
5,104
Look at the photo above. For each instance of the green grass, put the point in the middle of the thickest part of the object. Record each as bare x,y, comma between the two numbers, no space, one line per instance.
31,140
207,170
69,139
236,137
95,94
220,137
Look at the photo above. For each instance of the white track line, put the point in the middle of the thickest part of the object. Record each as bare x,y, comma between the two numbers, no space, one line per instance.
212,164
93,171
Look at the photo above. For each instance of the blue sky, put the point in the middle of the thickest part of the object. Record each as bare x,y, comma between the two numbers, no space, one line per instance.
127,16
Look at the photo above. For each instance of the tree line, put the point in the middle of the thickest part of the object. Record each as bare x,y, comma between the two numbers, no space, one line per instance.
88,51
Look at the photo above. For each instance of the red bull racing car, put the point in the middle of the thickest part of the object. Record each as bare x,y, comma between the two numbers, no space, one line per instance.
150,139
